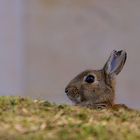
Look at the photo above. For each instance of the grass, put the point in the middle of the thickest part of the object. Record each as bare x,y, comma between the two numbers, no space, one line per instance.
26,119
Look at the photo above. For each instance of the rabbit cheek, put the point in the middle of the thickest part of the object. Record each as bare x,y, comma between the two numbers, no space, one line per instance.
88,92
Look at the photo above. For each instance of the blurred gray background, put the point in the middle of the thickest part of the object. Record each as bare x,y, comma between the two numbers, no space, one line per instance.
45,43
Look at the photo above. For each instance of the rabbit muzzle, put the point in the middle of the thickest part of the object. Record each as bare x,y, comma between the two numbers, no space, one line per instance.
73,94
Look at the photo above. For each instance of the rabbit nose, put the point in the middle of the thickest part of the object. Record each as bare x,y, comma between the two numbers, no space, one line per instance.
69,89
66,90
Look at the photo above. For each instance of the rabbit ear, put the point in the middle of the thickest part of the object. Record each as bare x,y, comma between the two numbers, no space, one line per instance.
115,62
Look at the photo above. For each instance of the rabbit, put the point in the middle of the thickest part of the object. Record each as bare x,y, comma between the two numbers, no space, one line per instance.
96,88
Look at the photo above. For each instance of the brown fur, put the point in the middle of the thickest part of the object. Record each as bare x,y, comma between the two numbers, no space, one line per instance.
100,93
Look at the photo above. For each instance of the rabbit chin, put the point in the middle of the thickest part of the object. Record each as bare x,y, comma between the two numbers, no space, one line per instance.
75,101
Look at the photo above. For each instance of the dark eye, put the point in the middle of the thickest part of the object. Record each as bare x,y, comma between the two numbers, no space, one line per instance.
90,79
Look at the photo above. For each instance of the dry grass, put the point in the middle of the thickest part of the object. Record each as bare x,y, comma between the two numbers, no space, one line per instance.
26,119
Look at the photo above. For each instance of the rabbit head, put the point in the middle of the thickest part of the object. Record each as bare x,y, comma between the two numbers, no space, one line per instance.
97,86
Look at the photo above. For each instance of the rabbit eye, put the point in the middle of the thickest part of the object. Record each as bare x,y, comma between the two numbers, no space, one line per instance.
90,79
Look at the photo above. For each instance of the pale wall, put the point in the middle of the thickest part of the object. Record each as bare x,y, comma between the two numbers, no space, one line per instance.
11,48
65,37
